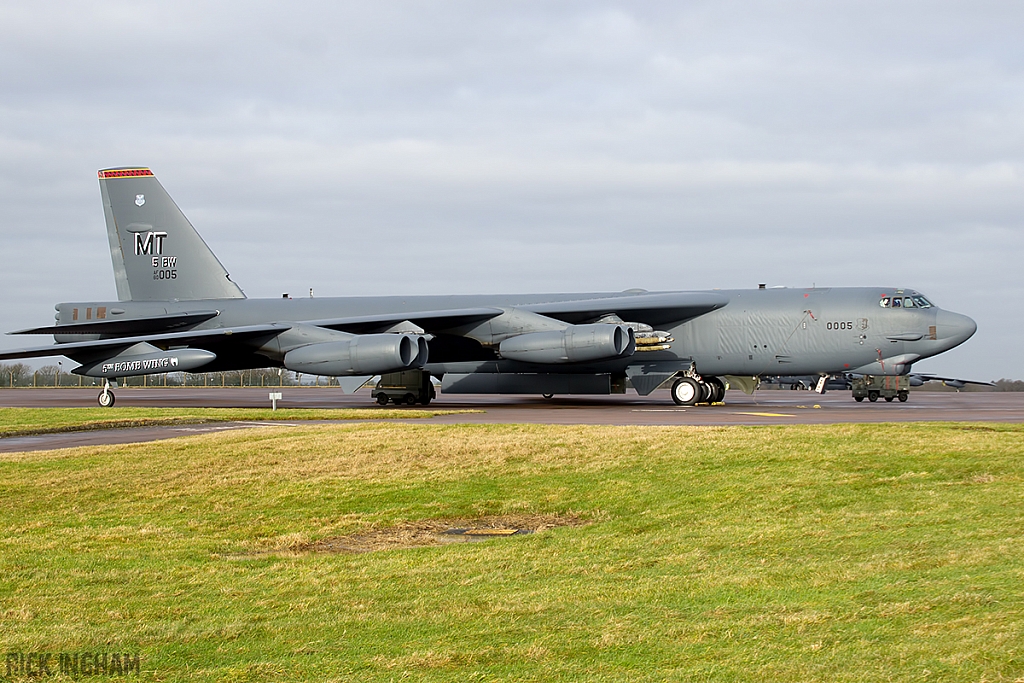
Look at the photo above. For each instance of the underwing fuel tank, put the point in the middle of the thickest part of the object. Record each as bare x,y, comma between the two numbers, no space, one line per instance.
366,354
144,359
574,344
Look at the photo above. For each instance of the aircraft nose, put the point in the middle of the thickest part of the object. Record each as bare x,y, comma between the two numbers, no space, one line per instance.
953,328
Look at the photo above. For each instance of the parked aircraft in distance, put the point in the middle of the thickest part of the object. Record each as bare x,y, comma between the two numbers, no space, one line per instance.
920,379
917,379
795,382
178,310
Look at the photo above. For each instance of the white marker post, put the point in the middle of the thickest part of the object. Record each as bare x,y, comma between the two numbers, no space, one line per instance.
275,396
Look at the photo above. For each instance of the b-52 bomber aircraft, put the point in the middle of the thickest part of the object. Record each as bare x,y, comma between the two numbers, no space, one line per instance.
178,310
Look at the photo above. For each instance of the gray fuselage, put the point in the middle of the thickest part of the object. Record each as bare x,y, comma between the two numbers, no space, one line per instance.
776,331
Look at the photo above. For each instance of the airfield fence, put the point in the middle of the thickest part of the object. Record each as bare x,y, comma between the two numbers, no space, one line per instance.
21,376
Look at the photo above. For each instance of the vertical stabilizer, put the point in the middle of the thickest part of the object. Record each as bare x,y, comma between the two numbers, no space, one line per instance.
157,254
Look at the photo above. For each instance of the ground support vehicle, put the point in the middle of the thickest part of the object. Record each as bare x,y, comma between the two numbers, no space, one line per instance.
873,387
409,387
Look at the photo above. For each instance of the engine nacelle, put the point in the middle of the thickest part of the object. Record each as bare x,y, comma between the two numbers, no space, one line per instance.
366,354
574,344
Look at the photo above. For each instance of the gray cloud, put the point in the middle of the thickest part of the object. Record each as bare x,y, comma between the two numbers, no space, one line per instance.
529,146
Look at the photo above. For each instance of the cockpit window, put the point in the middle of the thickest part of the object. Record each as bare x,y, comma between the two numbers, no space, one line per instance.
915,301
922,302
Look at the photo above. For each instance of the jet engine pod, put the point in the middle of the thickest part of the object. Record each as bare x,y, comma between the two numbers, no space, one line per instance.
365,354
132,363
422,353
574,344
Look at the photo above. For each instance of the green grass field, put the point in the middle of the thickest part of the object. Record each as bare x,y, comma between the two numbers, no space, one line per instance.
27,421
804,553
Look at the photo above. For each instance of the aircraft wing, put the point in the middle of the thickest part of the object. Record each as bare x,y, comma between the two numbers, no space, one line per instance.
653,309
128,326
949,381
430,321
189,338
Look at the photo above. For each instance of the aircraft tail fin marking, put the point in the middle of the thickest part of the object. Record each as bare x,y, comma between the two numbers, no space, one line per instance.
156,253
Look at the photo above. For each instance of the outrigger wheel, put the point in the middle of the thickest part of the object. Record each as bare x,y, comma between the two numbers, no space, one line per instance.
687,391
106,397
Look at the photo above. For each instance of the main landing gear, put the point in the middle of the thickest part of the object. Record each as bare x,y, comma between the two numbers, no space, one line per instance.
106,397
689,391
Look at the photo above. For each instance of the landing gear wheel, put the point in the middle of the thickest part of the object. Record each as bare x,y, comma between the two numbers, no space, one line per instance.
382,399
858,399
903,396
686,391
106,399
717,390
872,396
410,400
547,396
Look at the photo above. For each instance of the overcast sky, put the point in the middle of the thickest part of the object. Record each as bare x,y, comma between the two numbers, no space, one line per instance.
472,147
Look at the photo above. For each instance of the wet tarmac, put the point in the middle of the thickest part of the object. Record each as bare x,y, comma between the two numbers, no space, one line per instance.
763,408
